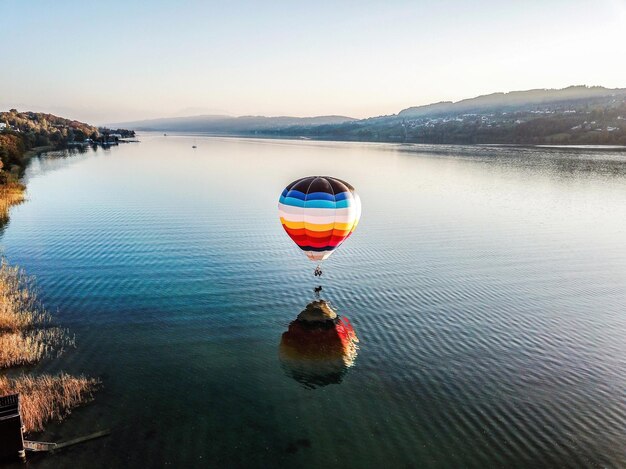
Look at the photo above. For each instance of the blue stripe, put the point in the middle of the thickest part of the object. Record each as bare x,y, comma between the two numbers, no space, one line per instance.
308,204
291,201
317,195
315,203
310,195
344,203
344,196
320,204
320,196
296,194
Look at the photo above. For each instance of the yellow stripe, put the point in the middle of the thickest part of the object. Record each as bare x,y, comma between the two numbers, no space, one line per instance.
298,225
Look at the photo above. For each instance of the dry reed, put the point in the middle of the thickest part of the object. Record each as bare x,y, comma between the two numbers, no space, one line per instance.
28,347
11,193
19,307
44,398
26,338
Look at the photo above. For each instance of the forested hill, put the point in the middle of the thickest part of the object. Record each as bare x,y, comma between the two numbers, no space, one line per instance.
23,131
515,101
574,115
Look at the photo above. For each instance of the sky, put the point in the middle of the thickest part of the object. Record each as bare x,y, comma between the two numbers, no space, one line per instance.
113,61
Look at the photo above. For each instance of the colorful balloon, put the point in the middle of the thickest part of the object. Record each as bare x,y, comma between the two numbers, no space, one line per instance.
319,213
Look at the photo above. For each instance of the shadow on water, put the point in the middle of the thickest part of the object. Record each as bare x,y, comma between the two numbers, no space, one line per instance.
319,346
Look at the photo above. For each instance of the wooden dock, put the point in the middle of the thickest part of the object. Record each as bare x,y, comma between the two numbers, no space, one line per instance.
11,429
44,446
12,440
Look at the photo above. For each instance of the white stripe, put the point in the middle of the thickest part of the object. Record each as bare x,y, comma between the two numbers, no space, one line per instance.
318,220
315,211
348,216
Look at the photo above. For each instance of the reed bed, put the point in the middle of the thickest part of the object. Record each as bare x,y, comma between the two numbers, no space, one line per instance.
48,397
11,193
20,308
25,337
29,347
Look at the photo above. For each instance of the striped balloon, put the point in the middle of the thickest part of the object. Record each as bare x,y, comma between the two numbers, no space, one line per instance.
319,213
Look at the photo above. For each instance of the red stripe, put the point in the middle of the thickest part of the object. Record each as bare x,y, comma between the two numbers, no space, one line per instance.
317,242
316,234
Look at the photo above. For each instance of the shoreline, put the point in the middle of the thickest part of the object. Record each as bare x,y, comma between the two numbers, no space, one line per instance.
28,154
587,147
29,335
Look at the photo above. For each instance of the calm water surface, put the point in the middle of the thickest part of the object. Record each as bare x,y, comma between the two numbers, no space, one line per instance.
487,287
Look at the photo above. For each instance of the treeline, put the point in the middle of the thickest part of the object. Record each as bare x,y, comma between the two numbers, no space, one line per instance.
24,131
123,133
604,125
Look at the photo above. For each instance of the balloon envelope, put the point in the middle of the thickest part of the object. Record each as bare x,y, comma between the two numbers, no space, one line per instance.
319,213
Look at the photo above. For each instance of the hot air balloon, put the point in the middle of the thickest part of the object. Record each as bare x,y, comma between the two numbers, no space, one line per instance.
319,213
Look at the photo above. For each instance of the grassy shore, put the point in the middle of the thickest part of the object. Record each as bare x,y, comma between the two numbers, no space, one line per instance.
12,193
44,398
27,332
26,337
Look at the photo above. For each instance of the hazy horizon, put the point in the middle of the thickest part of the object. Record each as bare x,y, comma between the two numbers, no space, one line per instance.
121,61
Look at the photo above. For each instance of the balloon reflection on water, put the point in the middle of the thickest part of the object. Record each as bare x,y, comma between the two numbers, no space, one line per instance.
319,346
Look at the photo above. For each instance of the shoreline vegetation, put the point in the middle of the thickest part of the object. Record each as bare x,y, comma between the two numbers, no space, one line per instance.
25,134
48,397
12,193
28,334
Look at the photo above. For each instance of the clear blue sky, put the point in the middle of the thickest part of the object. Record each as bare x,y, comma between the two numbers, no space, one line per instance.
121,60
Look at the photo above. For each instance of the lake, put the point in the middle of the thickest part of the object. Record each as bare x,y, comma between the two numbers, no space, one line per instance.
486,286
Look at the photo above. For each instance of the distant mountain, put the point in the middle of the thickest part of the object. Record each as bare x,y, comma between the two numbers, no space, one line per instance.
573,115
230,125
517,100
